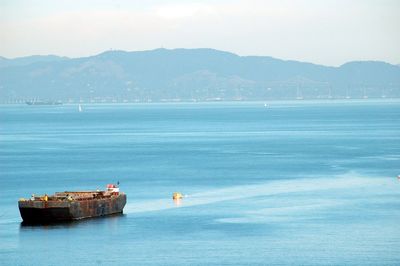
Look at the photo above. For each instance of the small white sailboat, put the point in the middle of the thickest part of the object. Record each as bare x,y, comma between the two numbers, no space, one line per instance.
80,108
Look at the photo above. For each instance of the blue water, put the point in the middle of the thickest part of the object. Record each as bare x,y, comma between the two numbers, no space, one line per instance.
296,183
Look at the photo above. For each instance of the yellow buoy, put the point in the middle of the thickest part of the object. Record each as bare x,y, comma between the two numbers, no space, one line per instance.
177,195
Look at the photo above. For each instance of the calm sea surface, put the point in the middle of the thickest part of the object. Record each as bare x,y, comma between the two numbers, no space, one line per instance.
293,183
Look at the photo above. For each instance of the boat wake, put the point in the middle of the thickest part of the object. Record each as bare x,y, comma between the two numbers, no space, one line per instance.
272,188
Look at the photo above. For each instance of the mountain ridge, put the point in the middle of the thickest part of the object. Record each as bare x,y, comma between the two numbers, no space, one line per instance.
189,74
179,49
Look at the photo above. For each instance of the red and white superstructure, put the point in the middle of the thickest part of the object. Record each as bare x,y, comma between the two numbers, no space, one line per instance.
114,189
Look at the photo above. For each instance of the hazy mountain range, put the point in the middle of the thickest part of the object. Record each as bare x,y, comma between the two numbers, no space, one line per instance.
189,75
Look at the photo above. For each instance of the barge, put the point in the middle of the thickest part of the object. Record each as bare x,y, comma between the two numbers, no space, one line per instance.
72,205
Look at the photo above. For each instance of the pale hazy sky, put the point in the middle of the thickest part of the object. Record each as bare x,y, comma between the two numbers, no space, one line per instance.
329,32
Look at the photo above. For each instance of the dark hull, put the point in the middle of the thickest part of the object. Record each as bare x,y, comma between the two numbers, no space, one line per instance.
59,211
46,215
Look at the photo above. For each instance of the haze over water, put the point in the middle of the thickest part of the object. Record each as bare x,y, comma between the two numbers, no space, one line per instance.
298,183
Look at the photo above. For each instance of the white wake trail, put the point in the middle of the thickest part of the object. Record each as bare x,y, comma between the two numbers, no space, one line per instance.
265,189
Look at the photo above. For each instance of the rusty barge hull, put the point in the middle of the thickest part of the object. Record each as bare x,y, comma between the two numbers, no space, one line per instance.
40,211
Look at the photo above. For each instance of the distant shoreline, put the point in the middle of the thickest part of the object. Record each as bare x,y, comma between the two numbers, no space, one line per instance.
335,100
